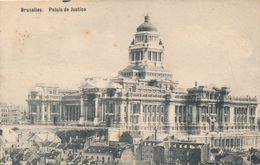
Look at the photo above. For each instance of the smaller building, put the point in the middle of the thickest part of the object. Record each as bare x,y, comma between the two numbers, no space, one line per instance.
76,145
10,114
2,150
132,137
107,154
53,158
42,137
181,152
3,113
145,150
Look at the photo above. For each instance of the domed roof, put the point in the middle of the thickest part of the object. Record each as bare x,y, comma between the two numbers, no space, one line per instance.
146,26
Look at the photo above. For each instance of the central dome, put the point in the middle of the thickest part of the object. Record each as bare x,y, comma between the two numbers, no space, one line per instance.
146,26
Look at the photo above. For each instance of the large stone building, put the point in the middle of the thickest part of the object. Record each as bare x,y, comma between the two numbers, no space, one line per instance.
144,96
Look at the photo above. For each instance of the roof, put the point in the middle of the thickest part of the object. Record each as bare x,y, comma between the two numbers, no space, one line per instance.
37,144
116,152
60,146
146,26
215,150
257,154
45,136
235,159
53,144
8,135
1,141
135,134
53,155
47,143
29,156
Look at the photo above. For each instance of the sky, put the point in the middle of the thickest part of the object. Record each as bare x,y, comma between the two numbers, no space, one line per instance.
205,41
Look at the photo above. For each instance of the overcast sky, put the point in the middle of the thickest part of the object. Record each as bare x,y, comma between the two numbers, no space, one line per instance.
205,41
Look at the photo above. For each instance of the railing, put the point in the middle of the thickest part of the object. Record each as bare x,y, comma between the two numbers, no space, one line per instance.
140,94
48,97
242,99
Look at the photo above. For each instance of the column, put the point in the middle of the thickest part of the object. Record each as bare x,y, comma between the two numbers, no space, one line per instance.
178,114
128,111
231,114
78,109
96,110
73,113
49,112
86,111
76,112
122,118
200,110
222,113
115,112
101,112
171,113
194,113
247,115
38,112
69,110
43,109
82,111
141,112
60,111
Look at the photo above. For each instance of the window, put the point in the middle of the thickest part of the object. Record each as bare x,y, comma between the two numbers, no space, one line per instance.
154,56
138,56
159,57
149,55
53,108
134,109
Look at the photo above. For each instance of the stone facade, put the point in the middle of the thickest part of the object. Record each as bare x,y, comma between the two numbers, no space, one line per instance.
144,96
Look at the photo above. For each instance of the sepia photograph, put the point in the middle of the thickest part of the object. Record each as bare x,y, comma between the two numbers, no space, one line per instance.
134,82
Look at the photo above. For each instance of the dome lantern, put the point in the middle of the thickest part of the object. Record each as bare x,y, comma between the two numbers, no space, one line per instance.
146,26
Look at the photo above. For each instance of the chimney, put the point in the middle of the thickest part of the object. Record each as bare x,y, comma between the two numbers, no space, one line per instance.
196,84
155,134
19,137
77,137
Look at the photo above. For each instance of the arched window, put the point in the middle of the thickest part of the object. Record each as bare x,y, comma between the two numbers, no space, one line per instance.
162,119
